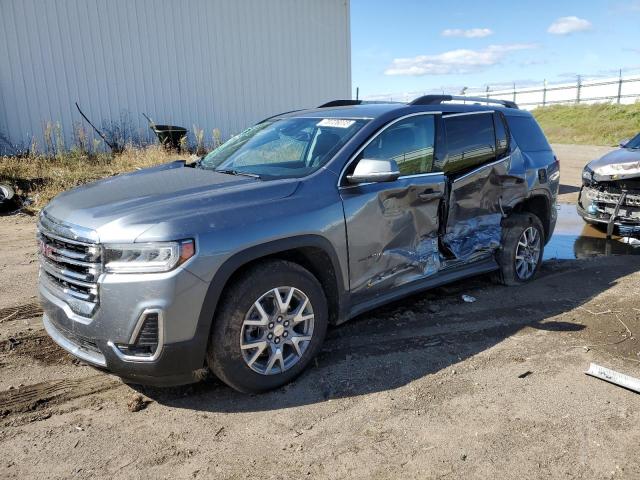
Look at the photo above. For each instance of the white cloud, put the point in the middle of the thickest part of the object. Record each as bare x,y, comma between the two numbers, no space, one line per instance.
470,33
567,25
454,62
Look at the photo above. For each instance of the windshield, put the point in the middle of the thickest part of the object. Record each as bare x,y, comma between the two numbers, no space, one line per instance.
292,147
634,142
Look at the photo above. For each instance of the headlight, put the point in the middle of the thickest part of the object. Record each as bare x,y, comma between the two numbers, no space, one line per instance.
147,257
587,174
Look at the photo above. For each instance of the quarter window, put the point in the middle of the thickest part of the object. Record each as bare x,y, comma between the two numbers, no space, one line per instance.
410,142
502,136
471,141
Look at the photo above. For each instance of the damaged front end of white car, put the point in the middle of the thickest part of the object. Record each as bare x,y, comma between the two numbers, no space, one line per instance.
610,193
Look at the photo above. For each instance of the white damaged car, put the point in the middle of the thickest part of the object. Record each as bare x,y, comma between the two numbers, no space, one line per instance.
610,193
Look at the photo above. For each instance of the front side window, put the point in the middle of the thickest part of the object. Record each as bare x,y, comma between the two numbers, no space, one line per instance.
410,142
471,141
285,148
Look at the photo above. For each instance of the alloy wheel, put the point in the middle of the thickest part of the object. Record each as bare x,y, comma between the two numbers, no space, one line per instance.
528,253
277,330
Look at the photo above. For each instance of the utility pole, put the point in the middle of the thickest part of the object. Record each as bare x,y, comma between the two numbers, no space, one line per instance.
544,93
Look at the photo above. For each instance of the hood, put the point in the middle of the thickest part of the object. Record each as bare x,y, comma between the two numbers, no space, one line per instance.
617,165
122,207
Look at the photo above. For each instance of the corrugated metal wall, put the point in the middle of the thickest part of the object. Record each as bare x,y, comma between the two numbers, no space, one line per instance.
214,63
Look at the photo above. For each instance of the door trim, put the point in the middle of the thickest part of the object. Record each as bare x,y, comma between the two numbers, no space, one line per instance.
481,167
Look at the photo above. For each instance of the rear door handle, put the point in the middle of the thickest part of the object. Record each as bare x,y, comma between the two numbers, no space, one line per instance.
429,195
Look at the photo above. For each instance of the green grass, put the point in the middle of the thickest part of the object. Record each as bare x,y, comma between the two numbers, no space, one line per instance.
601,124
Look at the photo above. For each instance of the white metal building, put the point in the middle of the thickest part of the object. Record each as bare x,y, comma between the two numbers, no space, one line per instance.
221,64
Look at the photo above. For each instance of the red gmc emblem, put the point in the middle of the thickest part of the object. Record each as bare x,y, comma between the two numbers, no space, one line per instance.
45,250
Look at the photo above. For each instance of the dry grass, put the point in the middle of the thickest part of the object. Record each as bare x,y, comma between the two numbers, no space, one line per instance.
42,177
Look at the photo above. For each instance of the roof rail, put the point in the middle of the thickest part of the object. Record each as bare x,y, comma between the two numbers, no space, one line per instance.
438,99
340,103
345,103
277,115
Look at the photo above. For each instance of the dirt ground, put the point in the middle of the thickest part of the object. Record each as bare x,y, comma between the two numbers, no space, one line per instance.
430,387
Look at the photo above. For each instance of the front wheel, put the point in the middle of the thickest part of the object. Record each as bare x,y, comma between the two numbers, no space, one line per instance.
520,255
271,323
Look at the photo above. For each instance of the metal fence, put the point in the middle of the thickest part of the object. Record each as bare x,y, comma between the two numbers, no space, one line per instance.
615,90
621,89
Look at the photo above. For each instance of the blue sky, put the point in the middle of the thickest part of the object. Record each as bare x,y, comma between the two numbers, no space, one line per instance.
421,46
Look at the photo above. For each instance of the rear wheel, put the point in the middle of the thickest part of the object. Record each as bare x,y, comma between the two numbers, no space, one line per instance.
520,255
270,325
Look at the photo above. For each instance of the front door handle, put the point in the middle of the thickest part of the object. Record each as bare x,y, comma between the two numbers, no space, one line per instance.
429,195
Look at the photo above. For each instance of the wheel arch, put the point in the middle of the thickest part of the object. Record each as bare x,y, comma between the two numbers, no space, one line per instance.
313,252
538,204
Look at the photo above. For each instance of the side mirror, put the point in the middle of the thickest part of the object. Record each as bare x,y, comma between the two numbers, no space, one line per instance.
369,171
623,143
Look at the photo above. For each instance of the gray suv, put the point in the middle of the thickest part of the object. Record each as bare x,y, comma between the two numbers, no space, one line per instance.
237,263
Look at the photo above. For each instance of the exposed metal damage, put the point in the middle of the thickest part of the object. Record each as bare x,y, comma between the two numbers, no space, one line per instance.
474,236
424,260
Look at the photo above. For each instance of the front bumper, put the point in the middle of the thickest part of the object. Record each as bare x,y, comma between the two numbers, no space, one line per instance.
610,209
101,340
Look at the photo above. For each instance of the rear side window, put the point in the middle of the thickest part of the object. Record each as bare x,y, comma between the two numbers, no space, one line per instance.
471,141
410,142
527,134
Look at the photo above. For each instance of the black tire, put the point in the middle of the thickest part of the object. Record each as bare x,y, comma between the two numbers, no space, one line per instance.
224,355
513,228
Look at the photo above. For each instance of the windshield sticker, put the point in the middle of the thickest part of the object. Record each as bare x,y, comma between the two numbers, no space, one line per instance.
335,122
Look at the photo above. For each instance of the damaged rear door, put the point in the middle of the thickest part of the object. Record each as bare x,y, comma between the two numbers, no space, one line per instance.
392,227
477,167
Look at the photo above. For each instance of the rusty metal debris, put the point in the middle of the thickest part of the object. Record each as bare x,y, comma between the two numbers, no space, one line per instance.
614,377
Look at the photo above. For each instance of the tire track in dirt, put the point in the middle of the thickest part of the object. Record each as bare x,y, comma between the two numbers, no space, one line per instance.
21,312
40,395
40,347
480,323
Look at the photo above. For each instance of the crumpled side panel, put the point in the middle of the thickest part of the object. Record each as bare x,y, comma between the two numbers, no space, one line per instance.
475,212
392,233
422,261
476,235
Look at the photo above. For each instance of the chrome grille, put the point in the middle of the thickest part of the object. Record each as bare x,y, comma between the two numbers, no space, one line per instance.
71,267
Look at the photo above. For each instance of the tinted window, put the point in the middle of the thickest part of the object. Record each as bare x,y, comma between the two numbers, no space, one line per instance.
527,134
409,142
471,141
502,141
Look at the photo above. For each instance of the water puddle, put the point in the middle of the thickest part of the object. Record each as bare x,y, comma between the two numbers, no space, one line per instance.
575,239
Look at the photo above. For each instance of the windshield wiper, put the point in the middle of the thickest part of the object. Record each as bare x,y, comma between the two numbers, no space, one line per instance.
237,172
